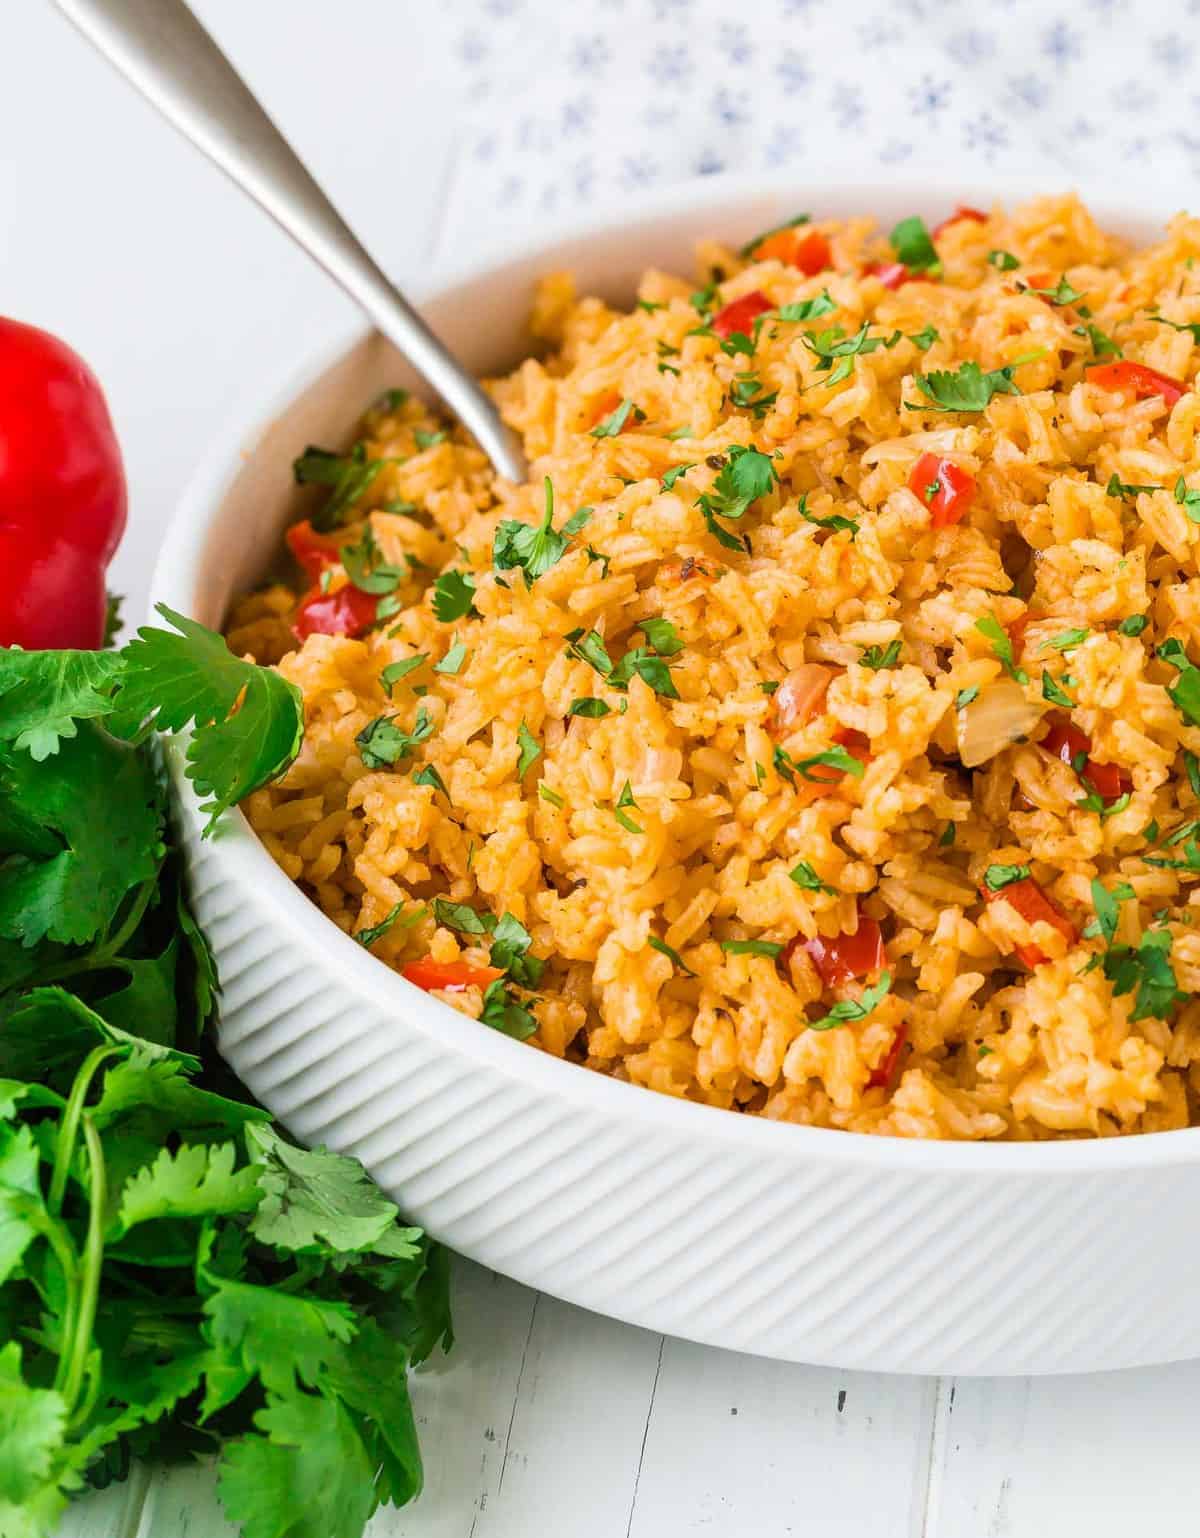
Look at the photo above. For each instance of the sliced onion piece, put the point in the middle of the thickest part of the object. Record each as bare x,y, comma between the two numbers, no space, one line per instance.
800,696
997,717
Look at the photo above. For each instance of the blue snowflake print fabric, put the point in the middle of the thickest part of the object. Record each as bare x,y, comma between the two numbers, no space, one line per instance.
569,103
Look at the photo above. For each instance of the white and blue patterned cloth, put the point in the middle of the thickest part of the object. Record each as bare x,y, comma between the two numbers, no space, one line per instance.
570,102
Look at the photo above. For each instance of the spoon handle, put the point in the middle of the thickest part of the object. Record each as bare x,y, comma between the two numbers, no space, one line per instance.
162,49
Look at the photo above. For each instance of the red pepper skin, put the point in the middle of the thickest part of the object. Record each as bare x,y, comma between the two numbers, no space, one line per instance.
1065,741
1034,906
891,274
448,976
963,211
955,492
1139,378
346,611
811,253
63,497
740,314
313,552
881,1077
846,956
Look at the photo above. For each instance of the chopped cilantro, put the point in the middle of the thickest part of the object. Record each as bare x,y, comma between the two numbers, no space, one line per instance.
746,391
752,948
662,636
595,558
1118,488
947,838
428,440
452,662
997,877
964,697
578,520
1185,691
428,775
677,433
552,796
848,1010
808,309
1189,500
746,475
504,1013
535,548
1062,293
391,920
1103,345
366,567
589,707
1065,641
807,879
966,388
752,246
1191,327
878,657
1002,646
833,758
348,477
834,521
395,671
1002,261
1054,693
672,475
589,647
453,596
382,743
613,423
670,953
913,245
623,800
1146,968
531,750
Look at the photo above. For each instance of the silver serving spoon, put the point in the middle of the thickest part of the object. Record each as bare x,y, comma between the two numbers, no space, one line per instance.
161,48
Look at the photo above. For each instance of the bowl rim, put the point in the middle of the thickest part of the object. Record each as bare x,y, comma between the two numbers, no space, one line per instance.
248,865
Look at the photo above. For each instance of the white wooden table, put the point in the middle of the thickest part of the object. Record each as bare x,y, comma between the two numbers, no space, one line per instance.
545,1419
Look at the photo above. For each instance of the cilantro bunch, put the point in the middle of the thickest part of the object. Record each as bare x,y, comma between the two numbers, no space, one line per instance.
176,1277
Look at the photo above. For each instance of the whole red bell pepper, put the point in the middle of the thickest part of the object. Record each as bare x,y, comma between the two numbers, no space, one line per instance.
62,493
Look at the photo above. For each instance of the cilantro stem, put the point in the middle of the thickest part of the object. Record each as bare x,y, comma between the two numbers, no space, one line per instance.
58,1237
103,954
68,1128
89,1278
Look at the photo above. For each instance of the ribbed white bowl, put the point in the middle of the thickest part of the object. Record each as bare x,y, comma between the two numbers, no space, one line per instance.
794,1242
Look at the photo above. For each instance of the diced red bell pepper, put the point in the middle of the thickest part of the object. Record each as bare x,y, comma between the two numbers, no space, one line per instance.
1016,632
944,487
891,274
809,252
963,211
881,1077
1034,907
844,957
346,611
1144,382
449,976
313,552
740,314
1064,740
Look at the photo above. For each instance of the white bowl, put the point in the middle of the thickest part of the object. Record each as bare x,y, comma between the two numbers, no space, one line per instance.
794,1242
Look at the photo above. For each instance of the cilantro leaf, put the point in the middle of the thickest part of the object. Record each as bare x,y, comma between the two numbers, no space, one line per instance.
43,695
348,476
549,795
589,707
746,475
1103,345
1188,499
834,521
534,548
247,720
913,245
769,948
966,388
451,663
1185,691
1146,968
752,245
997,877
807,879
454,597
589,647
1066,640
670,953
651,669
1002,646
808,309
616,420
1191,327
879,657
1062,293
673,474
366,567
531,750
1118,488
1108,907
95,826
1134,624
395,671
662,636
848,1010
427,775
391,919
382,743
1002,261
505,1013
1055,693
